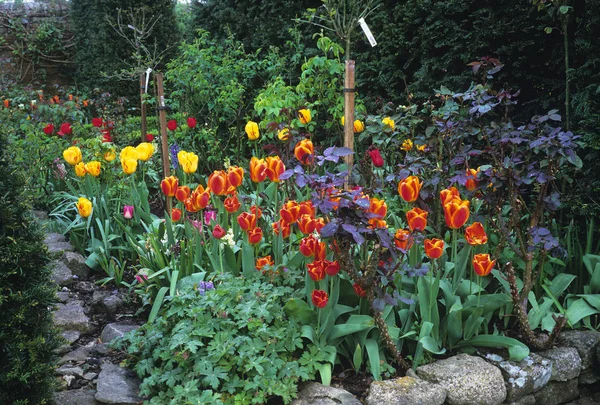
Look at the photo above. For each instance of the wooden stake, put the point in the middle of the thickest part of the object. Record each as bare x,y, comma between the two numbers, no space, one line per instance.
143,106
162,118
349,116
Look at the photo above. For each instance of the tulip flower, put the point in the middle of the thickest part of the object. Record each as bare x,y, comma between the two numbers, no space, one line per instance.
201,197
110,155
252,130
84,207
218,182
448,194
378,207
417,219
281,227
254,236
421,148
72,155
218,232
129,152
257,212
6,103
149,137
319,298
304,116
403,240
320,224
482,264
93,168
283,134
471,182
359,126
304,151
191,122
172,125
176,214
169,186
475,234
308,245
332,268
189,204
128,211
375,157
261,262
49,129
434,248
232,204
306,207
258,170
275,168
247,221
210,215
182,193
289,211
65,129
316,270
129,165
97,122
407,145
306,224
359,290
80,169
409,188
456,212
188,161
235,175
145,151
388,122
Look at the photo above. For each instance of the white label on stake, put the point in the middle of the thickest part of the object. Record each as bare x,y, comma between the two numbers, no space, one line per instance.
147,78
367,32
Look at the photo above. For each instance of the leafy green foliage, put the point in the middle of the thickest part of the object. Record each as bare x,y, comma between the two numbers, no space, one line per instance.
27,339
232,345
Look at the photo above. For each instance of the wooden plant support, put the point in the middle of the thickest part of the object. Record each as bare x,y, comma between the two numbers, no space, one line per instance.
143,106
349,116
162,119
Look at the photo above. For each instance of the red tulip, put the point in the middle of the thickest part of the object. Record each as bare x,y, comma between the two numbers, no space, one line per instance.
290,211
191,123
409,188
97,122
275,168
359,290
306,224
176,214
65,129
475,234
254,236
149,137
235,175
169,186
182,193
247,221
319,298
172,125
261,262
434,248
218,182
332,268
281,227
375,157
316,270
218,232
308,246
49,129
232,204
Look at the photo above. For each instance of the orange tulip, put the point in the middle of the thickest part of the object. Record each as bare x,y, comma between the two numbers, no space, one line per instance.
448,194
316,270
304,151
247,221
434,248
377,223
218,182
275,168
378,207
254,236
6,103
482,264
258,170
281,227
475,234
306,224
257,212
232,204
290,211
261,262
417,219
176,214
169,186
320,224
308,245
456,212
409,188
471,183
190,206
182,193
235,174
403,239
306,207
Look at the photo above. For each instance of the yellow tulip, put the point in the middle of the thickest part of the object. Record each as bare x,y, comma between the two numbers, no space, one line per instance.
145,151
407,145
283,134
80,169
72,155
84,206
252,130
93,168
129,165
304,116
129,152
387,121
110,155
188,161
358,126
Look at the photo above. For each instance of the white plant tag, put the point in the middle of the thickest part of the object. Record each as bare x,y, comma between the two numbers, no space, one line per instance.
148,71
367,32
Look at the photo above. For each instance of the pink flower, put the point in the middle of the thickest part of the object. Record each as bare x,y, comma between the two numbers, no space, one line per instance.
210,215
197,224
128,211
141,278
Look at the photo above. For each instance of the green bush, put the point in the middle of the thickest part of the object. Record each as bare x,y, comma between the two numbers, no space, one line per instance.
27,338
228,345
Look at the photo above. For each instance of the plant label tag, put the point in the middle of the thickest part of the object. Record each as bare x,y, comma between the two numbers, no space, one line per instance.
148,71
367,31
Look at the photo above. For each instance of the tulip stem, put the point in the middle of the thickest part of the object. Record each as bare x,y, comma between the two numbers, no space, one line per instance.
454,247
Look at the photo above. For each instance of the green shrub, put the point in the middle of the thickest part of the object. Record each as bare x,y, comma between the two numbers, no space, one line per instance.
27,338
228,345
